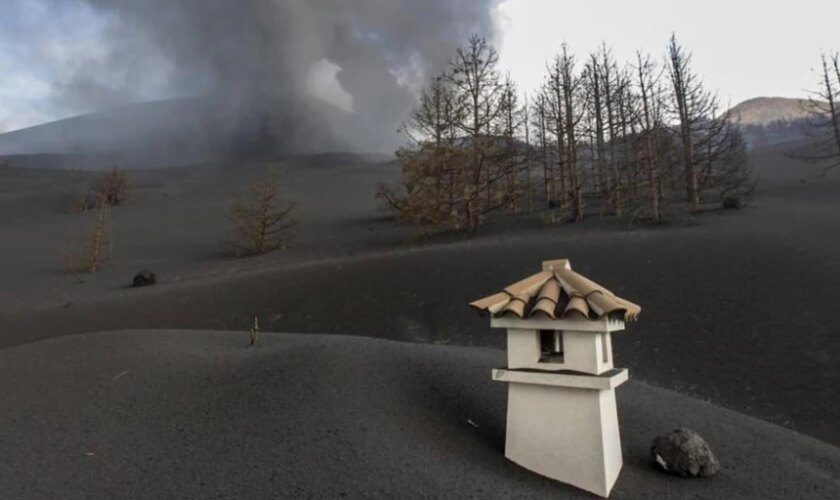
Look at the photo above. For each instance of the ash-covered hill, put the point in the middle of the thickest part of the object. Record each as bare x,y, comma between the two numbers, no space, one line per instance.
774,120
185,131
767,110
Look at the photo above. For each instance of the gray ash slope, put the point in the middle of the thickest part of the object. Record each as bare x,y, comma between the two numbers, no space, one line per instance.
180,132
166,414
738,307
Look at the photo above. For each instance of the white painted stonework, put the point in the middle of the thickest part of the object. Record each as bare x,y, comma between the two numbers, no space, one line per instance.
562,420
584,352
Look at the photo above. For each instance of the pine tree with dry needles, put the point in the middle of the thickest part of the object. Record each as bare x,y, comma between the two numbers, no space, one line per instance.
96,249
262,220
113,185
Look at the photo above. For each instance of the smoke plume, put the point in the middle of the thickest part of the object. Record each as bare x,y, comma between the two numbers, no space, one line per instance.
251,63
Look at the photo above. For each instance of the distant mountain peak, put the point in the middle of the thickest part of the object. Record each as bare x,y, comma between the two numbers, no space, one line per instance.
774,120
764,111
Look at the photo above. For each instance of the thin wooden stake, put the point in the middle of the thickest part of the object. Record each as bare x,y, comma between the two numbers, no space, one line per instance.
255,331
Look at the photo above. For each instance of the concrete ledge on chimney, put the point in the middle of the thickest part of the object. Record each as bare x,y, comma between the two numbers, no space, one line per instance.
603,325
604,382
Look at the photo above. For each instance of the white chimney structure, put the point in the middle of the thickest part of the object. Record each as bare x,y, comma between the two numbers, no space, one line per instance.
562,420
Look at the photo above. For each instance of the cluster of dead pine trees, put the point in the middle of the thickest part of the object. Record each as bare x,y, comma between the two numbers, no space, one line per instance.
641,140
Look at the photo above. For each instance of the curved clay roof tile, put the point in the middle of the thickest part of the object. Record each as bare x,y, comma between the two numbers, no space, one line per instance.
604,304
530,285
516,306
550,290
583,297
577,307
547,299
545,306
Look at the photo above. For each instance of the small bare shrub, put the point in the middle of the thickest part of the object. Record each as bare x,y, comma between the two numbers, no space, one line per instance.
262,221
83,202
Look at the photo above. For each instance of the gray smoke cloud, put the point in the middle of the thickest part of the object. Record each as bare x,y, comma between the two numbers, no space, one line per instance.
251,61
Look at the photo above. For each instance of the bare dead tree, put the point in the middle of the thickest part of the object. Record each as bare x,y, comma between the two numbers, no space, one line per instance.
435,116
608,72
434,190
571,84
835,106
541,118
691,104
437,167
596,112
556,105
432,178
824,121
625,143
529,155
722,167
713,150
474,72
513,158
652,131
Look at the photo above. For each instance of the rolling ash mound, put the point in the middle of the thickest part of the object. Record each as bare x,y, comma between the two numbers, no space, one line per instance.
166,414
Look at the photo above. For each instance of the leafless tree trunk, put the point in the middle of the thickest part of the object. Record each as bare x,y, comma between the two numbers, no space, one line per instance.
556,106
831,94
511,118
824,121
608,71
542,129
687,96
652,124
571,84
528,155
595,83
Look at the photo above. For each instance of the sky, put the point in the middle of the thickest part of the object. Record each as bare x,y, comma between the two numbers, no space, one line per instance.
743,49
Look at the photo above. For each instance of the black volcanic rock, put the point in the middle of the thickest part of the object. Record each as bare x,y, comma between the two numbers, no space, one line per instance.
731,203
144,278
684,453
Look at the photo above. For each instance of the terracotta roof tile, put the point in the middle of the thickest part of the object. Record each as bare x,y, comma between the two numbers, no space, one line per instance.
516,306
558,293
547,299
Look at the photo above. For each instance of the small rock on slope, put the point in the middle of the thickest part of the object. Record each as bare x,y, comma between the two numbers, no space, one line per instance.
684,453
144,278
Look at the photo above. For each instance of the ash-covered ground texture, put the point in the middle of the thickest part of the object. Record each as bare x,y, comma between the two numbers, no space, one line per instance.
739,309
188,414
